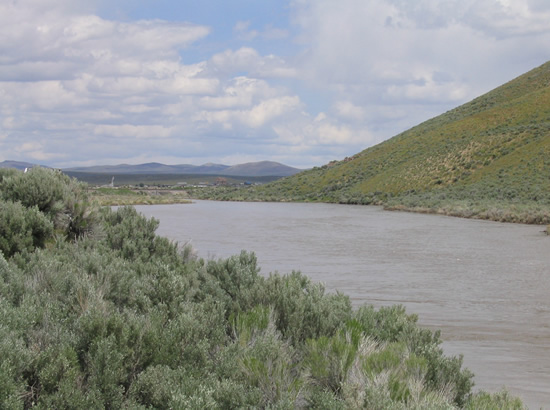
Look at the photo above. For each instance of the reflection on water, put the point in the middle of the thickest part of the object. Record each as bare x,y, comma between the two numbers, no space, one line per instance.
484,284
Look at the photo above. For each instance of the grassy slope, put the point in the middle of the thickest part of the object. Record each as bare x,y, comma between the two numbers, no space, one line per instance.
486,156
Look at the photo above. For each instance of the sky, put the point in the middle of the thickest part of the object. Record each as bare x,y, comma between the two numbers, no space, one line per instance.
301,82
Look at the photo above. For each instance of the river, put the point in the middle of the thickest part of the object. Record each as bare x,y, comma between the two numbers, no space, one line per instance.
485,285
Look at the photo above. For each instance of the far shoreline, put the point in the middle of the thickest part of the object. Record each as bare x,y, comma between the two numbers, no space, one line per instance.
158,196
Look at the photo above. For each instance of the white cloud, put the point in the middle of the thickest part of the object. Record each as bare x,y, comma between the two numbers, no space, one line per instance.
151,132
356,72
8,122
323,131
244,32
65,43
348,110
505,18
235,61
268,110
240,92
29,146
45,96
428,90
34,151
332,134
500,18
255,117
249,60
416,53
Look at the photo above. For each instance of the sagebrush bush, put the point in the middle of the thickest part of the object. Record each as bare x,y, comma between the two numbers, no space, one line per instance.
133,236
60,199
499,400
22,228
234,281
302,308
41,187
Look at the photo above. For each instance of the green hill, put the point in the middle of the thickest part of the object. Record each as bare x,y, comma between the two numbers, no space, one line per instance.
489,158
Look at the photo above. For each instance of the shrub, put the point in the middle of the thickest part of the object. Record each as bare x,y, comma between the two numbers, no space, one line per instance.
14,357
79,219
234,282
302,309
365,373
105,364
268,362
392,324
155,387
330,359
60,198
7,173
133,235
501,400
40,187
22,229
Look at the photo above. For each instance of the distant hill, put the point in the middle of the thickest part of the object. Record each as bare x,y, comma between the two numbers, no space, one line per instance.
17,165
488,156
263,168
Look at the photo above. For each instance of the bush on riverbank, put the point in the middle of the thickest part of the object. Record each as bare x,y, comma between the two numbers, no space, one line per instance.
120,317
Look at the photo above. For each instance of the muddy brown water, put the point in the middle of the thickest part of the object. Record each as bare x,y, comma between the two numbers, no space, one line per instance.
485,285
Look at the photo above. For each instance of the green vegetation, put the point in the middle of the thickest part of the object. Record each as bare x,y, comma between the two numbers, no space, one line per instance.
100,312
137,196
40,206
489,158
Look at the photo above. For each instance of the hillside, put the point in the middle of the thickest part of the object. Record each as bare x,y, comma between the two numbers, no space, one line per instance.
489,158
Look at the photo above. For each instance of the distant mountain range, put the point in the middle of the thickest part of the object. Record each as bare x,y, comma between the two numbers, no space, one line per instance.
259,169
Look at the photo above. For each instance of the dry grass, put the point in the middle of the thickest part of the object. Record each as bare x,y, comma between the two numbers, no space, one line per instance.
122,197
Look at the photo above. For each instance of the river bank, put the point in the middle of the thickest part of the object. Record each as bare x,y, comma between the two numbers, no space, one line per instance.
137,196
491,211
